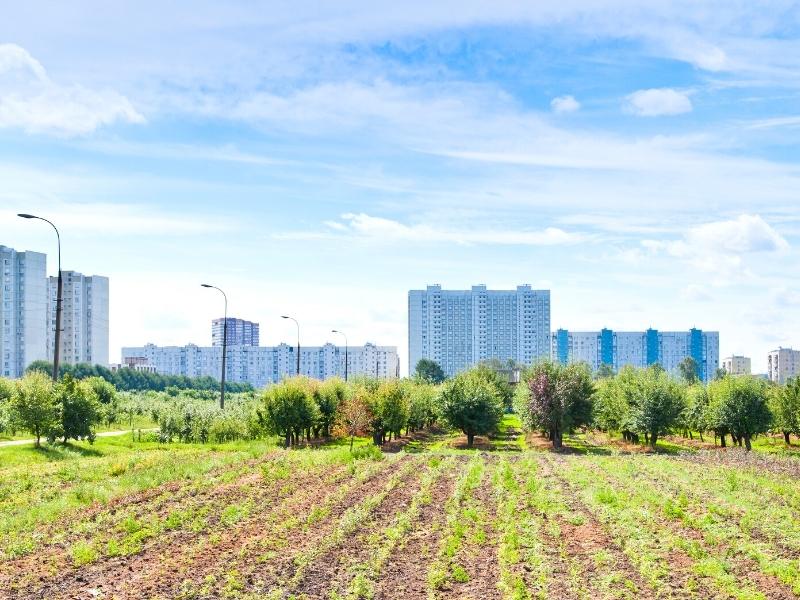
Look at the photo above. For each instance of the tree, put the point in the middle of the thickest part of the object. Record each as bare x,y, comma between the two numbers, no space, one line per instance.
614,401
658,404
604,371
353,416
421,405
688,370
695,414
328,397
78,410
785,408
389,407
32,407
106,392
497,374
430,371
288,410
470,403
6,389
556,398
741,406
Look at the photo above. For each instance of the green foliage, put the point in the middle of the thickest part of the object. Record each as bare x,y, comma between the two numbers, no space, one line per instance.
688,370
78,410
422,405
190,420
696,415
429,371
289,409
328,396
739,405
389,407
33,407
785,407
127,379
471,404
658,402
497,374
555,398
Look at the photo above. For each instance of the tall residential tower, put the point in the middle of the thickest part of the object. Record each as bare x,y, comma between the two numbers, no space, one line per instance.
460,328
23,310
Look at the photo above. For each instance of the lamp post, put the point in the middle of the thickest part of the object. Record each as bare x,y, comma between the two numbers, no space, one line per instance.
224,343
298,339
59,299
345,350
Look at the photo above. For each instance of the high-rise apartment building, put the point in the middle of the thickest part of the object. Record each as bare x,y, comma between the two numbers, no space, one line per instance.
460,328
23,310
84,318
783,364
737,365
638,348
263,365
240,332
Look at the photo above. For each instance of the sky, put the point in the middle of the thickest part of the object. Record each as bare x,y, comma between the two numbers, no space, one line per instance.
640,160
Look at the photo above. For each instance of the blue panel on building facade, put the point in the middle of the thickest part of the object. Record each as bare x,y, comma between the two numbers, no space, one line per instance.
696,351
652,347
606,347
562,342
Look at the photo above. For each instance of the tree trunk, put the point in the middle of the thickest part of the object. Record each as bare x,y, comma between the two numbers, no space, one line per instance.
722,441
288,438
786,438
38,437
555,437
351,443
700,433
653,440
646,437
470,439
747,442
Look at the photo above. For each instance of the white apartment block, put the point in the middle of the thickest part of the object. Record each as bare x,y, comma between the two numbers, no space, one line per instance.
460,328
737,365
84,318
239,333
23,310
783,364
638,348
264,365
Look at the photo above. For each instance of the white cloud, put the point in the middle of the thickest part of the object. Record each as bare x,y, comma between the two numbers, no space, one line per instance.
33,102
380,229
657,102
564,104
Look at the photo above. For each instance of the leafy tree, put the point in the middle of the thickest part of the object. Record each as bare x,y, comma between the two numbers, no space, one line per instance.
390,408
614,401
695,414
430,371
329,395
78,410
6,389
740,405
658,404
688,370
785,407
719,373
32,407
497,374
288,410
556,398
604,371
106,392
353,416
472,404
422,405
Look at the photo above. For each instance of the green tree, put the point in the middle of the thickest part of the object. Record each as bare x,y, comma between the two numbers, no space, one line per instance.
659,402
472,404
78,410
555,399
688,370
430,371
288,410
32,407
422,405
390,409
695,414
604,371
741,406
353,416
329,395
785,408
497,374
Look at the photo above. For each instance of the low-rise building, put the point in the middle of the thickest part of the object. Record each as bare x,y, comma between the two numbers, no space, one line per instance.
737,365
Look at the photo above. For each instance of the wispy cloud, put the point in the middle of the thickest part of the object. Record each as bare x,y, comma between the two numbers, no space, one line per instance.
564,104
31,101
383,230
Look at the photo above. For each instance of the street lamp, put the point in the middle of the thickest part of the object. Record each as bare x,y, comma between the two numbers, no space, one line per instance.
224,343
298,339
59,299
345,350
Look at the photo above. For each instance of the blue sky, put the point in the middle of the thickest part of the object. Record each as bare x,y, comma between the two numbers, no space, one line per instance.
320,159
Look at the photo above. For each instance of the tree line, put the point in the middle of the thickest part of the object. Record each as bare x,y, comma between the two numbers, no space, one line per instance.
127,379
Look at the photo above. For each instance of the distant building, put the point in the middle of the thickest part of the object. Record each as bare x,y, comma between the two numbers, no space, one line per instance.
460,328
263,365
783,364
737,365
23,310
638,348
240,332
84,318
